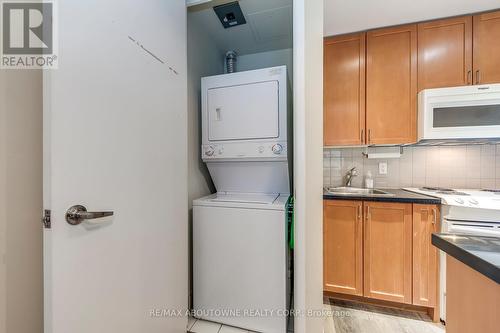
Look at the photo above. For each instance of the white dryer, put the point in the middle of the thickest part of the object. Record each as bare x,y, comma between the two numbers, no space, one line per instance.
240,233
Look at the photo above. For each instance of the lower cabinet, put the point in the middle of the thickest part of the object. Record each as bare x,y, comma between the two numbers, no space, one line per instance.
343,247
381,250
425,256
387,251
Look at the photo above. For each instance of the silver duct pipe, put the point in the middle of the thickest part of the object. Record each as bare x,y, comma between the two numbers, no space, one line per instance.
231,59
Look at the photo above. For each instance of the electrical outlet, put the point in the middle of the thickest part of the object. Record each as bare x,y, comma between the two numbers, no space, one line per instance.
382,168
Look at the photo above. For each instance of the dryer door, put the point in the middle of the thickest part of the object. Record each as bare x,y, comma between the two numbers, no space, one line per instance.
244,112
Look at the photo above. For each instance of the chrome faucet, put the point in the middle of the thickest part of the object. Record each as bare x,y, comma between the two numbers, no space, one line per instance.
350,175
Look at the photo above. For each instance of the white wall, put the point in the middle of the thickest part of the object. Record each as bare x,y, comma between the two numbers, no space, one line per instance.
204,59
267,59
343,16
3,225
21,280
308,162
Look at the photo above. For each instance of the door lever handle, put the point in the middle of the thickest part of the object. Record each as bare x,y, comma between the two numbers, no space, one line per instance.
78,213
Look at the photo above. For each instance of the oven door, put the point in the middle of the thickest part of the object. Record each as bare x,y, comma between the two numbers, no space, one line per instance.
479,228
471,112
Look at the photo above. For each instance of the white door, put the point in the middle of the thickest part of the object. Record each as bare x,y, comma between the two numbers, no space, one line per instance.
115,140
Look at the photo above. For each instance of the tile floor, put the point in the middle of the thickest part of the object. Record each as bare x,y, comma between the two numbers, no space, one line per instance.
346,317
202,326
355,318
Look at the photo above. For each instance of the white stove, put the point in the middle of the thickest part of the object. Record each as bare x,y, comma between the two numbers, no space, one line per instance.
483,199
464,211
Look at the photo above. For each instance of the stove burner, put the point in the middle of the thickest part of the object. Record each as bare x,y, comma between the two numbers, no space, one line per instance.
491,191
440,189
453,192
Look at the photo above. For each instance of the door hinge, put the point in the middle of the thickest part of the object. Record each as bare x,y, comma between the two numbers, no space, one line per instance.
46,219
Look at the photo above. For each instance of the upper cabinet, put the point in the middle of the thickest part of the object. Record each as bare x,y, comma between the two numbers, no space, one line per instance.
486,52
445,53
344,90
371,80
391,85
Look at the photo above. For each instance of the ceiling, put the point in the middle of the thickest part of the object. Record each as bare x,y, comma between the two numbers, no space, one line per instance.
268,27
343,16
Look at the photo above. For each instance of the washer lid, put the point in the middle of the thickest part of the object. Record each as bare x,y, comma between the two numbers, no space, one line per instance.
258,198
261,201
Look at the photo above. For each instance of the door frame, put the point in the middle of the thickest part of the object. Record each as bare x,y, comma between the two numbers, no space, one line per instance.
308,162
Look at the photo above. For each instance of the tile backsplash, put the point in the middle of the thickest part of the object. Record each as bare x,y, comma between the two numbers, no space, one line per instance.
468,166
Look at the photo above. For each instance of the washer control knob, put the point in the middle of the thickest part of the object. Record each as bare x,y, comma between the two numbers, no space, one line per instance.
209,151
458,200
474,201
277,149
261,149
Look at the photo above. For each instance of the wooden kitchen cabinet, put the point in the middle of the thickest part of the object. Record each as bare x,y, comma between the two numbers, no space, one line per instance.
425,255
391,85
344,90
472,300
388,251
486,49
343,246
445,53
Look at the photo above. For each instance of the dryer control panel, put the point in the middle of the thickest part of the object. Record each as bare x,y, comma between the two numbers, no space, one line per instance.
245,150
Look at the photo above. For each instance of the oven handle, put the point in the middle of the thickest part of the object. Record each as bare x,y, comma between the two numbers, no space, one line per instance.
455,228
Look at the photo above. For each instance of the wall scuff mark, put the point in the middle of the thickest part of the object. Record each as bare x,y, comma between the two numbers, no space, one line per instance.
139,44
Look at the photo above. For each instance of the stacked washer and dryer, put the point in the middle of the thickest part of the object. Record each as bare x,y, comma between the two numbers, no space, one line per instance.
240,251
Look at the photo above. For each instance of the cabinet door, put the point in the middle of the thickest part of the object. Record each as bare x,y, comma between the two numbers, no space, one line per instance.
425,255
343,246
387,251
445,53
344,90
487,48
391,85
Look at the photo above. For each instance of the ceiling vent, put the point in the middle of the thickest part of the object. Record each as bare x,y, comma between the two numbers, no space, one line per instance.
230,15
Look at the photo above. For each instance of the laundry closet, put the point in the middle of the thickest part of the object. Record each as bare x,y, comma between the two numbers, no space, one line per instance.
240,162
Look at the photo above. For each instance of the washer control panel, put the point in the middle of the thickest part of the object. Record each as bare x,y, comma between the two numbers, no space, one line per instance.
244,150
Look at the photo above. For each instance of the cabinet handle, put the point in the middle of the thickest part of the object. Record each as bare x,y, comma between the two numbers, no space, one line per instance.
469,77
369,135
362,135
434,216
478,76
359,212
367,213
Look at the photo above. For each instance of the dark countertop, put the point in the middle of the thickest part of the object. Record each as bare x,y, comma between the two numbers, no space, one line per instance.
399,196
480,253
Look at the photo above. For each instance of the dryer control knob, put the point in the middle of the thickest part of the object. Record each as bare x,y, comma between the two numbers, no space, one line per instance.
277,149
210,151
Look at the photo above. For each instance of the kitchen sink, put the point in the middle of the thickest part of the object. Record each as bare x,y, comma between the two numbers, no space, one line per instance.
355,191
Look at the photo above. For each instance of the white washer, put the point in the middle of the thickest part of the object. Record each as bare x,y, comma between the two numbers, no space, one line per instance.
240,260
